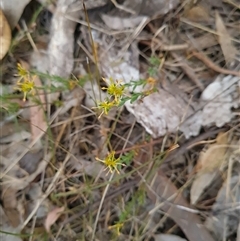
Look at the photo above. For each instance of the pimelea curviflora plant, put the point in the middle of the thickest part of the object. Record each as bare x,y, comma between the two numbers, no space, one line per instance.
111,162
118,96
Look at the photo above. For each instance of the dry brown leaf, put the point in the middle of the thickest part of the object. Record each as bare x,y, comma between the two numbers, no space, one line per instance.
198,13
10,203
52,217
213,158
5,35
224,39
208,166
161,192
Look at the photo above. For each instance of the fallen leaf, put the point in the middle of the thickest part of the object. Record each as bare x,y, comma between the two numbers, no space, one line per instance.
168,198
198,13
213,158
5,35
224,39
13,10
10,203
208,166
52,217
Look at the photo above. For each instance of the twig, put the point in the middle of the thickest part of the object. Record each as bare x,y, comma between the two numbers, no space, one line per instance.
119,6
213,66
100,205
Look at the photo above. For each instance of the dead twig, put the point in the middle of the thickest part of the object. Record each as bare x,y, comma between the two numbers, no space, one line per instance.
208,62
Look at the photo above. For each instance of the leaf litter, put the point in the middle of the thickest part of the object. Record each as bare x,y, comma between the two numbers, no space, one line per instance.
51,160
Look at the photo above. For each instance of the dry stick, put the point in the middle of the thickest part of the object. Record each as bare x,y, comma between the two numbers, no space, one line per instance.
100,206
188,70
213,66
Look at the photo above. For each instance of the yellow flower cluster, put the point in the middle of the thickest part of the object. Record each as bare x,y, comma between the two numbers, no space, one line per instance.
115,91
25,84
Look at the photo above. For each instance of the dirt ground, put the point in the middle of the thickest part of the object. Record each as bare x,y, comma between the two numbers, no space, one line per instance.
120,120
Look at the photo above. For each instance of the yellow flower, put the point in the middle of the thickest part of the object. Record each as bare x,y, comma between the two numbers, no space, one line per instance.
26,86
115,89
151,81
117,226
21,71
72,84
105,106
111,162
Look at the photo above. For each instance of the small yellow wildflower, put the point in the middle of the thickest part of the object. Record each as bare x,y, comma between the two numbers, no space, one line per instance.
117,226
115,89
72,84
26,86
105,106
151,81
111,162
21,71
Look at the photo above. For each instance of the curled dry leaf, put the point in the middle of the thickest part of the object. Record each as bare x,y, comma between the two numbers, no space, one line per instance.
198,13
225,40
52,217
5,35
208,166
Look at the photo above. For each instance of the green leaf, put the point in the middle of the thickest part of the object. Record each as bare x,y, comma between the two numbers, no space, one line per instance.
154,61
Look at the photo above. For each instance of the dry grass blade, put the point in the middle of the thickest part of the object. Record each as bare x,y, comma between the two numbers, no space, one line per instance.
213,66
